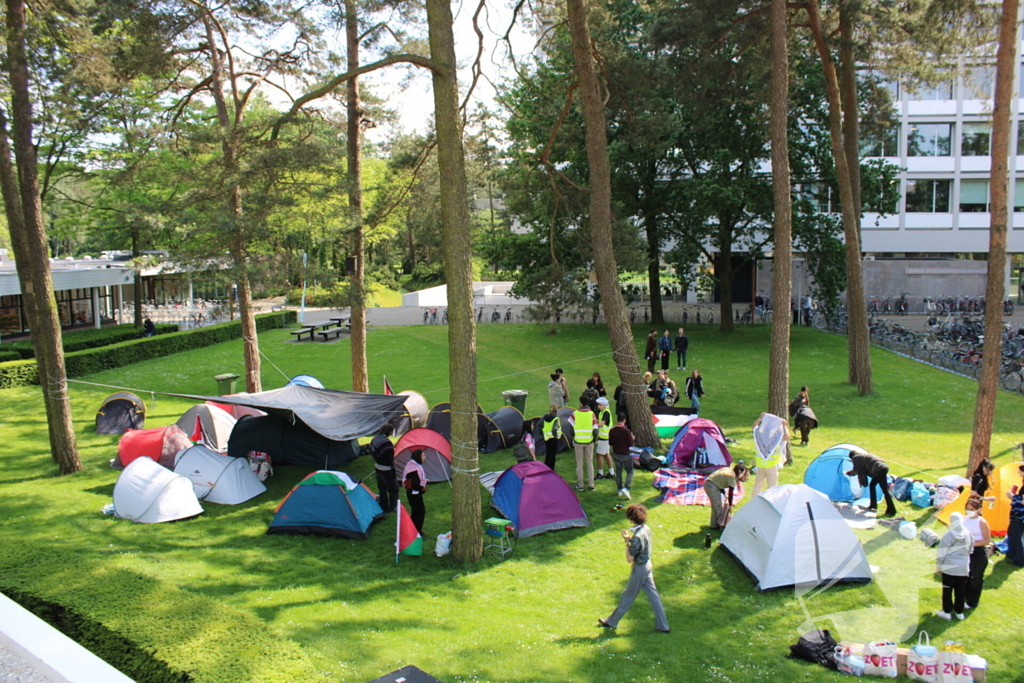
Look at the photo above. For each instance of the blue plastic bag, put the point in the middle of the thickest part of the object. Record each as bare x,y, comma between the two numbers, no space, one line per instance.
901,489
920,496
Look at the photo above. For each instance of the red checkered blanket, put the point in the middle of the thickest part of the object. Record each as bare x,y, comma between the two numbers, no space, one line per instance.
687,488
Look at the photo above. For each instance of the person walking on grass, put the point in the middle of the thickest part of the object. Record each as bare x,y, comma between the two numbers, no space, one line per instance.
641,576
551,430
383,453
952,562
602,450
682,346
651,350
695,389
665,349
584,424
620,439
415,480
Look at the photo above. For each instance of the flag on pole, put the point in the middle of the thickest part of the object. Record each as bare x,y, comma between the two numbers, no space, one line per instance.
407,539
387,387
198,435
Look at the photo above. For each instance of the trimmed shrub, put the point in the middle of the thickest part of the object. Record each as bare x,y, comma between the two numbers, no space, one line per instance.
80,340
23,372
9,355
151,630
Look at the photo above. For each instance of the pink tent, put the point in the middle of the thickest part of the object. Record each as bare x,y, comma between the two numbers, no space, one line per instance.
702,436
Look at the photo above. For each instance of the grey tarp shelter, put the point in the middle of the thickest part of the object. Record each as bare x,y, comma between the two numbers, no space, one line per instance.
307,426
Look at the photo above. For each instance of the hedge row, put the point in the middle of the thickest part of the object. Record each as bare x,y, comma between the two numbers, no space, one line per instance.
9,355
80,363
150,630
80,340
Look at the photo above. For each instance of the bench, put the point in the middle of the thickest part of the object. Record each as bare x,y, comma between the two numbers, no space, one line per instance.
343,322
310,329
326,333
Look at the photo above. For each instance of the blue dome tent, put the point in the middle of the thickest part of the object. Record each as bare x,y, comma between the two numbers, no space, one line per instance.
306,381
827,473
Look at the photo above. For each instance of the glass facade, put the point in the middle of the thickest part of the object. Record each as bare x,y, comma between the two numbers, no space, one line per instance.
930,140
975,140
928,196
883,142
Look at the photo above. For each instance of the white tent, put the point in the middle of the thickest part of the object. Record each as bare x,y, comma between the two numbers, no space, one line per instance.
218,478
215,425
791,535
148,493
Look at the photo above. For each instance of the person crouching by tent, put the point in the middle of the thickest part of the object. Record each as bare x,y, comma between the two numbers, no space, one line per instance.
771,439
551,430
638,554
414,478
867,466
723,482
982,534
620,439
383,452
952,561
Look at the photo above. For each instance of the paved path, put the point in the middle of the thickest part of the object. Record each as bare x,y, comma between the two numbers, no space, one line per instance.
14,669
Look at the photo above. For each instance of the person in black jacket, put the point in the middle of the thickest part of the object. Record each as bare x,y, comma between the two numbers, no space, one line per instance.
682,345
867,466
383,452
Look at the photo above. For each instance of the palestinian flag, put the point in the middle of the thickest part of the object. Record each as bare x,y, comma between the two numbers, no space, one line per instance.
668,425
387,387
407,540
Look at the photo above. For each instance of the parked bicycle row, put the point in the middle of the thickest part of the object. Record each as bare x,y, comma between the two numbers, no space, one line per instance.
942,305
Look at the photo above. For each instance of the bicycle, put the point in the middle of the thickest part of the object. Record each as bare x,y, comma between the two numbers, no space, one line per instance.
480,314
495,316
426,315
444,317
1007,307
632,316
508,315
902,306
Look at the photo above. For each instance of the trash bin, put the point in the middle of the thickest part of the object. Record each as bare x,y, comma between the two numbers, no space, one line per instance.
516,398
226,383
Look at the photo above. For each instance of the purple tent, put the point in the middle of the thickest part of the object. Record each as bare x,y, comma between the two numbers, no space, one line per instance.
699,434
536,500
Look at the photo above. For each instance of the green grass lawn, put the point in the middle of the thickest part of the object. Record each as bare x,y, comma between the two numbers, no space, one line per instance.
343,610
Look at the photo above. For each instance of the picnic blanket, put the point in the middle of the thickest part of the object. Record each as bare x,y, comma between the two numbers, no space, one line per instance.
856,517
488,479
687,487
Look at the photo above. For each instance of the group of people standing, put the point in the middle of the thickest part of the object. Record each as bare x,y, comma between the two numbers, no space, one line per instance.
414,478
662,347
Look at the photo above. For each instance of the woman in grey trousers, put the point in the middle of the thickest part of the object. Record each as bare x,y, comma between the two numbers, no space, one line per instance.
638,553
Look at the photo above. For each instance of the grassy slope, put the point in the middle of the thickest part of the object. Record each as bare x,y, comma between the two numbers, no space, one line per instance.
356,614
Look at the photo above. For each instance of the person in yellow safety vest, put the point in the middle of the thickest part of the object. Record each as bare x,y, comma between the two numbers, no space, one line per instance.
551,430
585,430
603,451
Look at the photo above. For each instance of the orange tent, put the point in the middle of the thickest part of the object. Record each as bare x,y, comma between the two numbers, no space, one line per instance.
996,512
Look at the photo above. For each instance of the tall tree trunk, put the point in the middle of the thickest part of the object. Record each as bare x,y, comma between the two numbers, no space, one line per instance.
858,339
654,268
851,102
140,292
467,543
988,384
28,237
782,262
616,320
354,155
724,274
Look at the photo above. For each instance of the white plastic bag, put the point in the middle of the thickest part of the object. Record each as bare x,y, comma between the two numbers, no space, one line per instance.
444,544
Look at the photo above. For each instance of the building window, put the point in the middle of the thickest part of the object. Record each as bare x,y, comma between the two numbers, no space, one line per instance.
980,83
973,196
922,93
928,196
929,140
821,197
975,140
1020,138
1018,196
10,315
880,142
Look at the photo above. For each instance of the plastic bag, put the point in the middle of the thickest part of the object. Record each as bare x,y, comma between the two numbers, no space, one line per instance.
848,662
908,530
444,544
920,496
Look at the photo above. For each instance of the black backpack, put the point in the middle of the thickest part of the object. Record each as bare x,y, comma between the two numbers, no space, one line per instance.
816,646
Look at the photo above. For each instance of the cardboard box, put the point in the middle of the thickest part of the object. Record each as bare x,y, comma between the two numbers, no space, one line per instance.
901,660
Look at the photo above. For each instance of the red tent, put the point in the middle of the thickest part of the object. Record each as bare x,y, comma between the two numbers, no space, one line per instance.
437,453
159,444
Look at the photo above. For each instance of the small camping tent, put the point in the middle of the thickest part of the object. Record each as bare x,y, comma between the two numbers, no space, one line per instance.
564,441
415,414
439,419
160,444
218,478
535,499
437,453
699,434
791,535
236,411
120,412
1002,480
501,429
827,473
288,443
306,381
148,493
208,423
327,503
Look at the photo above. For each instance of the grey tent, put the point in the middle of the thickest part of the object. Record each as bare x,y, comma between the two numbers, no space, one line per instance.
564,441
501,429
440,420
335,415
119,413
288,443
